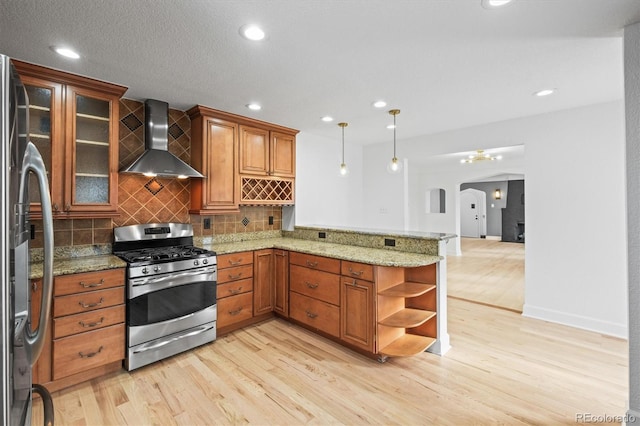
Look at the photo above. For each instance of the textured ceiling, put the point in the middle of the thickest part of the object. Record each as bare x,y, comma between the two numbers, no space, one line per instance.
445,64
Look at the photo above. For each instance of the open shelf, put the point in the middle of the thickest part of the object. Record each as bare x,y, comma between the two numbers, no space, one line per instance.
407,345
407,318
407,289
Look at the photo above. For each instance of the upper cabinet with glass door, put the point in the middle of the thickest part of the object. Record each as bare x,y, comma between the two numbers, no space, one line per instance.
74,123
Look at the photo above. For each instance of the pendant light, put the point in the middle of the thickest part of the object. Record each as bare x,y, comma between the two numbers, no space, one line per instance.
344,171
395,166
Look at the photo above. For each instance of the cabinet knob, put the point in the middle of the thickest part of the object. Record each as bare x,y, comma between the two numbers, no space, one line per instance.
55,207
67,207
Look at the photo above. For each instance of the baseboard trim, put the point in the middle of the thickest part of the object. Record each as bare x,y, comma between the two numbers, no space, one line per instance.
577,321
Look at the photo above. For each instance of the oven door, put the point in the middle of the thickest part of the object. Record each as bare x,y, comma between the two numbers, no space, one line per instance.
165,304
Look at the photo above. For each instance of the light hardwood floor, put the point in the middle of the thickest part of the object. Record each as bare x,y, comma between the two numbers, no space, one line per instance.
502,369
489,272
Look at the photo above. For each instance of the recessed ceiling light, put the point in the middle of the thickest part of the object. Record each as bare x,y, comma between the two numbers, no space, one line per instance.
66,52
493,4
379,104
544,92
254,107
327,119
252,32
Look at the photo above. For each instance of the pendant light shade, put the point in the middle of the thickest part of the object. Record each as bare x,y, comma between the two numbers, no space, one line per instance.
394,166
344,171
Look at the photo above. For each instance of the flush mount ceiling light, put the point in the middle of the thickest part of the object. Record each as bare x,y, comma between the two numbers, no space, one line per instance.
252,32
494,4
344,171
395,165
254,107
327,119
480,156
379,104
66,52
544,92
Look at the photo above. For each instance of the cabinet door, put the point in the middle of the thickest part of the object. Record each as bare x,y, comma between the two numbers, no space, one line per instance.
281,285
357,313
263,281
254,151
92,149
283,155
46,133
213,153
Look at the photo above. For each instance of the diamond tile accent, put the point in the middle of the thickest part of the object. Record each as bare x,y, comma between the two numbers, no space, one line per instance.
245,221
154,186
175,131
131,121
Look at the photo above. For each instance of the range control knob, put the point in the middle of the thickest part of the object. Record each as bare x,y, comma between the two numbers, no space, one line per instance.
156,269
195,262
145,270
205,261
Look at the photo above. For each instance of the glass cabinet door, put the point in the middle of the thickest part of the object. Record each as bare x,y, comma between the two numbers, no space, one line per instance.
91,150
44,128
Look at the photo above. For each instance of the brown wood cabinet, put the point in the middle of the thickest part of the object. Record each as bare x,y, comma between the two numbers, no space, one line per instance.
245,161
357,306
235,290
214,153
281,284
87,329
263,281
314,298
73,121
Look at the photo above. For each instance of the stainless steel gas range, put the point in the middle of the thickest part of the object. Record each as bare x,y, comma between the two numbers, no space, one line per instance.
171,291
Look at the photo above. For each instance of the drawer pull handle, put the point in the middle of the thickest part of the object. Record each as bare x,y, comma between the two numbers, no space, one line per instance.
92,354
310,285
235,290
92,285
356,273
237,262
235,277
91,324
311,314
91,305
312,264
236,312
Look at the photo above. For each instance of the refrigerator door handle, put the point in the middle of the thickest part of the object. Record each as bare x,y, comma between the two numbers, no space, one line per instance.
33,163
47,403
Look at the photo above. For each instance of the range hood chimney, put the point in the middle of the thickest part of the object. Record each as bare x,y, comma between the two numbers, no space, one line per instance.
156,160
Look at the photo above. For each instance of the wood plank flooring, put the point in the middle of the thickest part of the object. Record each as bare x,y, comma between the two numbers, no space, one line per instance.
502,369
489,272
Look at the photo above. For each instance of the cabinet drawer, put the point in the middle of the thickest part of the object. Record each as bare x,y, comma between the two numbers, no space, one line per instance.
84,351
87,321
315,313
84,302
317,284
234,287
315,262
357,270
235,308
90,281
234,274
235,259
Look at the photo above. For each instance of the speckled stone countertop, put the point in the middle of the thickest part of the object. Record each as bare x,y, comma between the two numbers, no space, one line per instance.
78,264
388,233
372,256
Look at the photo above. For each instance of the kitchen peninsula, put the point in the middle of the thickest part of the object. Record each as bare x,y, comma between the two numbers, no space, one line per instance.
380,293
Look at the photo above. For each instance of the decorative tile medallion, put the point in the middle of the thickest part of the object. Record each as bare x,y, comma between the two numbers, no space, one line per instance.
245,221
154,186
131,121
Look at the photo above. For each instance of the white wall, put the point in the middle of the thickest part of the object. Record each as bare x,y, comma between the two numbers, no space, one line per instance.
323,197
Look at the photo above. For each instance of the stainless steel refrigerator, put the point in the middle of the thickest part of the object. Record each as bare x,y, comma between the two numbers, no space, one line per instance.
20,162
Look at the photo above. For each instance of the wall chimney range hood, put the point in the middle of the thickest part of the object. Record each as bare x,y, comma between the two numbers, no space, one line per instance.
156,160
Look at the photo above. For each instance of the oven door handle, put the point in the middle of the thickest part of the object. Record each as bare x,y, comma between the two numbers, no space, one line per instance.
174,276
189,333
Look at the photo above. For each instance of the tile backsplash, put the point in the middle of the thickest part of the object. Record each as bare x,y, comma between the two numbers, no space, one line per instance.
144,200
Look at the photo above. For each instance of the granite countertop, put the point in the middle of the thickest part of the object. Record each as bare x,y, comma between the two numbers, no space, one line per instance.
76,265
388,233
373,256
